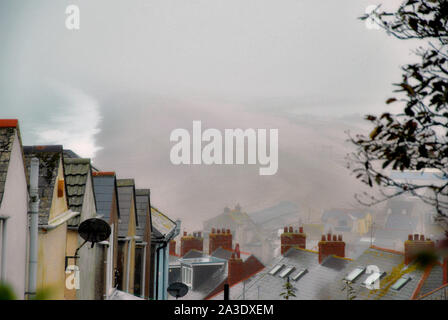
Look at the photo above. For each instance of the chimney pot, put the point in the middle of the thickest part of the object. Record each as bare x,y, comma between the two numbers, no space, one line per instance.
285,229
323,237
329,236
410,237
335,237
290,229
185,233
301,229
340,237
200,234
416,236
218,231
422,237
213,230
228,231
237,250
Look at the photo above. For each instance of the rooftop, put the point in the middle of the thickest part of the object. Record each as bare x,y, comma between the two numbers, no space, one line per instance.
7,134
161,224
393,273
126,199
76,173
50,157
143,204
105,187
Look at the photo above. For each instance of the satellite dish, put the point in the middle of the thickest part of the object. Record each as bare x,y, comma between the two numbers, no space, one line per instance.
177,289
94,230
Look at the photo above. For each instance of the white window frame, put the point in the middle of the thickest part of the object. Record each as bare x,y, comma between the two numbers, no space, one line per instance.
355,274
286,271
187,275
276,269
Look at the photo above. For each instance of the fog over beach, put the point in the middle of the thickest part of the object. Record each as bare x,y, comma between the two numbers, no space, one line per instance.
117,88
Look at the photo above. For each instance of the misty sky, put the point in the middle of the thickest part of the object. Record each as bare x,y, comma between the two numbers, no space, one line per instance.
136,70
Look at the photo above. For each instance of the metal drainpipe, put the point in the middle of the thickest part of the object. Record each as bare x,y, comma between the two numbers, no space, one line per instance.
3,250
128,271
143,271
34,225
157,271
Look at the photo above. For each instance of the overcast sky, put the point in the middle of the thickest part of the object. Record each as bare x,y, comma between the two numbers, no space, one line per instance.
115,89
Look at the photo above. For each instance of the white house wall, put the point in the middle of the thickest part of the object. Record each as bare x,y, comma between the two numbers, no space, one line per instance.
15,205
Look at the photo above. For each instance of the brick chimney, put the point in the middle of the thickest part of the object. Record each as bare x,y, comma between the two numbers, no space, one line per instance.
235,267
292,239
331,245
416,244
189,242
219,238
172,247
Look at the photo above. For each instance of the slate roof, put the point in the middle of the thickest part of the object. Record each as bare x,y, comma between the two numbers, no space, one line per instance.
161,224
104,184
226,254
76,173
311,286
70,154
283,208
142,197
7,135
343,214
391,262
126,193
193,253
49,160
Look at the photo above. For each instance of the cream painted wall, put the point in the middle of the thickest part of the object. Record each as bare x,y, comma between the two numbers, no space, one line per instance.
58,204
51,261
72,244
52,247
15,205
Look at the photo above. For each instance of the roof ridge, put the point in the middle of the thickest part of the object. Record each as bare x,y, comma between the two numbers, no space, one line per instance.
77,160
9,123
103,173
432,291
386,250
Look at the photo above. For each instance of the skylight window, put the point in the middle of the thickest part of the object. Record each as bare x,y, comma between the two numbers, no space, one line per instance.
354,274
286,272
370,281
299,274
400,283
276,269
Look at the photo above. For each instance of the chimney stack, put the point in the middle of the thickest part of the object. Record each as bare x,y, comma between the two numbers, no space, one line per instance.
190,242
331,246
218,239
416,244
172,247
292,239
235,267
